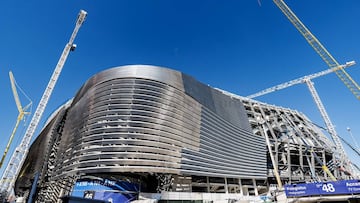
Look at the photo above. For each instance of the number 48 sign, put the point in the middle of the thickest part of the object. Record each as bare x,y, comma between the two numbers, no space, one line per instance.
328,187
323,188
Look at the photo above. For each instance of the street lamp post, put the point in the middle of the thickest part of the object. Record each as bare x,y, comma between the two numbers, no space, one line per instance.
352,137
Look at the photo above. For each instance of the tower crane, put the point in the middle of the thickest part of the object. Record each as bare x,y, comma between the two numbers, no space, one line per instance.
319,48
330,61
21,116
12,170
299,80
330,127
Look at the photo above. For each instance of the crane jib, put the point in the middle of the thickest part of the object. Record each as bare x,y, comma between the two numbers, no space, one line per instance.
319,48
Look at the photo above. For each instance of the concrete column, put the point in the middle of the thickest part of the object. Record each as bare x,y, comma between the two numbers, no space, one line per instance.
208,184
241,188
226,186
255,187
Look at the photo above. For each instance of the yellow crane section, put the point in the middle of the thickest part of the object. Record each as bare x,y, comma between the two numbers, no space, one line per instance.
320,49
22,113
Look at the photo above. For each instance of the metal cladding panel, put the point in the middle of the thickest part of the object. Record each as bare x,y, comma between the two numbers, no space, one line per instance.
150,119
230,109
129,119
166,76
228,148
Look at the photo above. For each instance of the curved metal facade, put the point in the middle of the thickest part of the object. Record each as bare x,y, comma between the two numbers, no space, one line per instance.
161,128
145,119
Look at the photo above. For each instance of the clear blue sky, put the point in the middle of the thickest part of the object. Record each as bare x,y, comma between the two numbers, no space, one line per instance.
236,45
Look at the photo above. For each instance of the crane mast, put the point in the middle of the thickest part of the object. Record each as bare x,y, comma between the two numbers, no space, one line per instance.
329,60
319,48
16,161
330,127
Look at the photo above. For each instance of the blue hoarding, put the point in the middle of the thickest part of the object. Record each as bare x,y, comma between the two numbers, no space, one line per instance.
108,190
323,188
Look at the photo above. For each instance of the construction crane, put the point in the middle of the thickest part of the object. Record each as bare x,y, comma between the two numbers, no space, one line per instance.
299,80
319,48
331,129
331,62
21,116
12,170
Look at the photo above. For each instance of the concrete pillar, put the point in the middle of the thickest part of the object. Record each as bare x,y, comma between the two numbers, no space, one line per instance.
241,188
255,187
226,186
208,184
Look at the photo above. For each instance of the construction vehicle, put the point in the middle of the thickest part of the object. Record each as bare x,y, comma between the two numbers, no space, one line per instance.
319,48
21,116
18,157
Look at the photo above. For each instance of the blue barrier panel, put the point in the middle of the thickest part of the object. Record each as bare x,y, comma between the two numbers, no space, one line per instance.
323,188
104,189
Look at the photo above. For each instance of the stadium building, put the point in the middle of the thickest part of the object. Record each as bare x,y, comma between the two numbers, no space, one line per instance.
143,132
